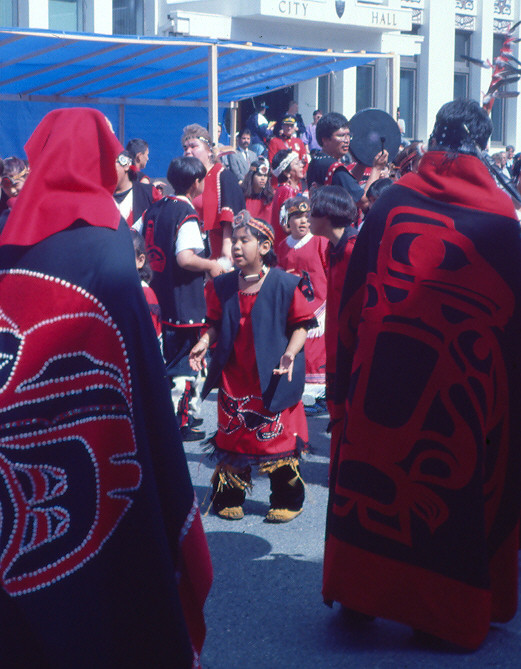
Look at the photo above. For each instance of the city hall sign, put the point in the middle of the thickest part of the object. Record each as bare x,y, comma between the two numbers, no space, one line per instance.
349,12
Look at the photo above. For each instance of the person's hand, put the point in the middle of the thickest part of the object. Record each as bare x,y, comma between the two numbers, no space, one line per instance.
215,269
197,354
285,366
381,159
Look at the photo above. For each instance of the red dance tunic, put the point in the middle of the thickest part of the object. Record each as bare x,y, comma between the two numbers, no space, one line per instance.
283,193
221,200
294,143
259,209
308,255
247,432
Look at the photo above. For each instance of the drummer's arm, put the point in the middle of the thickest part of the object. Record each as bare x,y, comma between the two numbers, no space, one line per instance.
379,164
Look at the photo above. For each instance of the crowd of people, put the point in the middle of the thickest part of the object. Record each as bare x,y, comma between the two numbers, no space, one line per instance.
297,283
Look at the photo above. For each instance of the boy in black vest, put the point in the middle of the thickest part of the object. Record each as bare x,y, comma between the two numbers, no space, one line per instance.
176,252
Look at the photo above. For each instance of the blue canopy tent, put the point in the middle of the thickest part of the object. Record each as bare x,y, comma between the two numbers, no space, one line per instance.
147,86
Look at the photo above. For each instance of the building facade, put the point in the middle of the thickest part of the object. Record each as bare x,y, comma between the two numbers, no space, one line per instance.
429,36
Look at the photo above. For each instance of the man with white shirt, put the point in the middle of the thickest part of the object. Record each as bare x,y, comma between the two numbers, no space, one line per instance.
240,161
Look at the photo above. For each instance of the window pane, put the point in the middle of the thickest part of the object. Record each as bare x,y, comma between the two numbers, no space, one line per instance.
497,116
461,85
498,110
407,100
63,15
364,87
8,13
461,46
127,17
324,93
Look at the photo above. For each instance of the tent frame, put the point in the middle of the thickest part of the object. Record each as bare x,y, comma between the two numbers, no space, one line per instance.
149,44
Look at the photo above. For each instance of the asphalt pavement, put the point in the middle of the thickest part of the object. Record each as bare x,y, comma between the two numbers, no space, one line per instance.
265,609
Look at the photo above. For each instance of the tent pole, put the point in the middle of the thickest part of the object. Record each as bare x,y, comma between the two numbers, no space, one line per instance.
121,129
233,123
213,109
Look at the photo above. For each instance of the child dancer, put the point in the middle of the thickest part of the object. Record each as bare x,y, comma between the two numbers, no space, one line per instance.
257,189
289,170
303,254
333,214
145,274
259,319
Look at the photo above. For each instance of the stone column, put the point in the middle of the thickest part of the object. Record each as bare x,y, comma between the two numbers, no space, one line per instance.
436,62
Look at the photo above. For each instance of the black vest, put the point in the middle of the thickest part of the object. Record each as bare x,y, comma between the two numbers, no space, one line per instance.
270,336
180,292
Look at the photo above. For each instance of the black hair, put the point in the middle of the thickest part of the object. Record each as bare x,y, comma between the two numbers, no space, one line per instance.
135,146
266,194
378,187
270,259
317,111
183,173
334,203
145,272
330,123
276,161
461,125
245,129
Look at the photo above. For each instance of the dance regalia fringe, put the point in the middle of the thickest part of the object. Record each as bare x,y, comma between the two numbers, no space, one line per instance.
426,481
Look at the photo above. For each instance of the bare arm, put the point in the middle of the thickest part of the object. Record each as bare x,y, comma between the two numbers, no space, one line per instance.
189,260
199,350
295,344
379,163
226,250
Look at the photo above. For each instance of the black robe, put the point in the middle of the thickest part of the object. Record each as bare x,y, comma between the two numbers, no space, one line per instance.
102,556
426,480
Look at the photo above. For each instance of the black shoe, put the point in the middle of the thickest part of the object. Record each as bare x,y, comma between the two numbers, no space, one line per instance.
190,434
195,422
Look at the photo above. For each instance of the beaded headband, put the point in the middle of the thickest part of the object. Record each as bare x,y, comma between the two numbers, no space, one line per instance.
124,160
17,177
245,218
286,162
262,169
301,207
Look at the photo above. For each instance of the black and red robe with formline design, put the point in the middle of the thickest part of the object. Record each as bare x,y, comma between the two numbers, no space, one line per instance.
103,558
425,489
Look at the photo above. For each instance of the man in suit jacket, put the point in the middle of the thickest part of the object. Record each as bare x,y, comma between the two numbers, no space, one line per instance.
241,160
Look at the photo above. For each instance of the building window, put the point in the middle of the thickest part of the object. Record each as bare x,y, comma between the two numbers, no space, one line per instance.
65,15
364,87
128,17
8,13
408,100
498,110
461,66
324,93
